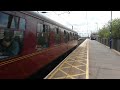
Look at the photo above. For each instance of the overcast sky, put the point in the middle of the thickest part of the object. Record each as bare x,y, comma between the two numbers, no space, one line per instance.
84,22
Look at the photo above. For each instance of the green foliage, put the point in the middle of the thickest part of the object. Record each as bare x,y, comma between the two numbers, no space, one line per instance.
105,31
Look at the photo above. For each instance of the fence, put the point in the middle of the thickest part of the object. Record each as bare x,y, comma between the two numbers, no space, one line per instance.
115,43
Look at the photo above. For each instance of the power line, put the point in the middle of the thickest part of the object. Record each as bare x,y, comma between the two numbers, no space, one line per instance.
63,13
63,18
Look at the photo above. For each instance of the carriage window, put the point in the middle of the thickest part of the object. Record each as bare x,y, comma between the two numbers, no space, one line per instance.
68,36
47,28
18,37
14,22
11,39
44,29
76,37
1,33
10,45
65,36
22,24
73,36
64,32
11,21
3,19
18,34
42,36
57,30
39,27
57,36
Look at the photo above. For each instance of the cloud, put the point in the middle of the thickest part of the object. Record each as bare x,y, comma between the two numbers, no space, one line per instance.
83,21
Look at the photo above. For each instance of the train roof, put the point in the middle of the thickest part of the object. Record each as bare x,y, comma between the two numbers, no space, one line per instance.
35,14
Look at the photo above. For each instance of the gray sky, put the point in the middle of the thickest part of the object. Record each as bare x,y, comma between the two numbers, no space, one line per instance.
84,22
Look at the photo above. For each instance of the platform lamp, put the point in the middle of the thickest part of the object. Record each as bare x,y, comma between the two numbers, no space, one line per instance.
43,12
111,32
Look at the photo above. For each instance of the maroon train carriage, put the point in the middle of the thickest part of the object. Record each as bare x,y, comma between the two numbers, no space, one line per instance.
40,41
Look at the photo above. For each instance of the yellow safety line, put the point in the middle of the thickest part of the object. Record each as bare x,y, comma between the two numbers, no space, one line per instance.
70,76
65,62
79,69
65,67
81,60
71,65
76,67
52,73
59,77
82,63
69,61
77,74
66,74
87,65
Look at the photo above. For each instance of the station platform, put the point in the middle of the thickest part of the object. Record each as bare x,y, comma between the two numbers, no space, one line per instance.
73,66
104,63
90,60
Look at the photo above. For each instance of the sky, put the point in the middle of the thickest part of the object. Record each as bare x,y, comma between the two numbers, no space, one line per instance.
84,22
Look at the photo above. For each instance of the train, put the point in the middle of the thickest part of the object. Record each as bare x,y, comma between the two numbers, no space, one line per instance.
41,40
94,36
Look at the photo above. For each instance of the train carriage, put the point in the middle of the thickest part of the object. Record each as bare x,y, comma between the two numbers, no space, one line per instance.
40,41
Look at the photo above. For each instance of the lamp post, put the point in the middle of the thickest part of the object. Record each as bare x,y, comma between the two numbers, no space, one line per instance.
111,32
97,26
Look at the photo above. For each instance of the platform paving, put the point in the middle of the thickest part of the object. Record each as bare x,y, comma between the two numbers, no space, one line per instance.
104,63
90,60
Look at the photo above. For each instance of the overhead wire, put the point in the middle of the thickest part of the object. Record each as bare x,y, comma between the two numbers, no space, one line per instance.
63,18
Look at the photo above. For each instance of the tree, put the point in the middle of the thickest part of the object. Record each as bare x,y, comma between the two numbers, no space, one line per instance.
105,31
